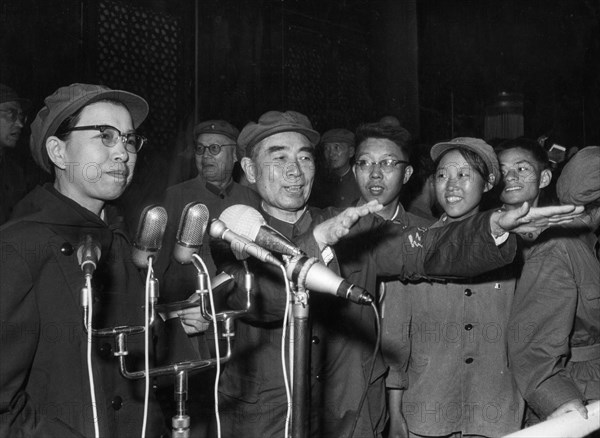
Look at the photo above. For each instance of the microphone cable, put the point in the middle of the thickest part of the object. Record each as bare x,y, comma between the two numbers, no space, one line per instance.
375,352
89,330
217,349
288,392
149,275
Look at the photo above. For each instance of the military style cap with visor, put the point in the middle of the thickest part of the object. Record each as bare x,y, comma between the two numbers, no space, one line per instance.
338,135
579,181
476,145
274,122
67,100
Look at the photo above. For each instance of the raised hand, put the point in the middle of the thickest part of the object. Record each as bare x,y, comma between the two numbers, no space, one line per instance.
332,230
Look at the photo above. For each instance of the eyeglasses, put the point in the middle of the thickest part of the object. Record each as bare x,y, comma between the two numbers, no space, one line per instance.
214,149
386,166
14,115
110,136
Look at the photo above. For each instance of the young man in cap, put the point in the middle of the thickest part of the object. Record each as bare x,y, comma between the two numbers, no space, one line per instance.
335,185
279,160
554,351
13,184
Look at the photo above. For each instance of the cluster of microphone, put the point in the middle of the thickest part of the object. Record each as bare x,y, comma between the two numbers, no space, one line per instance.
248,234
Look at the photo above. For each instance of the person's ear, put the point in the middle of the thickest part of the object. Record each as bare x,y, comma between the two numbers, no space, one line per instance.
407,173
490,183
55,148
545,178
249,169
351,151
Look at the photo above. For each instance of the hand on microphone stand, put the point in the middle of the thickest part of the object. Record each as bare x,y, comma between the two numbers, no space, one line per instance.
332,230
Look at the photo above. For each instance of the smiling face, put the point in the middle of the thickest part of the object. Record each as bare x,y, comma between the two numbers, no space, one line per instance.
10,131
87,171
283,169
458,186
522,176
374,183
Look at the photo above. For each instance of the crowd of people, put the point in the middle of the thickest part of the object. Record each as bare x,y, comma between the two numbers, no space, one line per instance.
487,300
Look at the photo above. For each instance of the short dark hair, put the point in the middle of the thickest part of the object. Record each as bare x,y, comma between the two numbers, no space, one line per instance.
537,151
396,134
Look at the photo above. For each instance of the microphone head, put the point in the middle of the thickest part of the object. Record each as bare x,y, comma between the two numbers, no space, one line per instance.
149,235
192,226
243,220
88,253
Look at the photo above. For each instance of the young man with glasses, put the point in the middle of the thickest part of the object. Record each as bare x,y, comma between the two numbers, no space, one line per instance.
12,175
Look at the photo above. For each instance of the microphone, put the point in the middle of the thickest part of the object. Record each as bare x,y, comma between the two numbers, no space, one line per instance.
249,223
88,255
192,226
241,244
148,238
320,278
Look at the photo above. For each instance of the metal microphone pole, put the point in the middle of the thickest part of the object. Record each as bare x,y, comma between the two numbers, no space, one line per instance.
300,384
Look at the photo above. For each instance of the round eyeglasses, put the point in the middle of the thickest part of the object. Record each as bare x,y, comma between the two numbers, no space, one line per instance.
12,115
110,136
386,166
214,149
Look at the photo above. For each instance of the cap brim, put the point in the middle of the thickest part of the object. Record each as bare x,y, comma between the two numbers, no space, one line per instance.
136,105
313,136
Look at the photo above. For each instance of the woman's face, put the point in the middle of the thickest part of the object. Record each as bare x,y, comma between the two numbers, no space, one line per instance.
458,186
96,173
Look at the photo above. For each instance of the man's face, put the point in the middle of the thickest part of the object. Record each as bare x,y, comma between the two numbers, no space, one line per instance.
375,182
283,169
10,131
215,168
337,155
522,177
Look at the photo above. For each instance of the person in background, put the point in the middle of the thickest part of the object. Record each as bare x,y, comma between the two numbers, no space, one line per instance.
335,185
85,135
13,117
215,152
459,382
555,347
382,169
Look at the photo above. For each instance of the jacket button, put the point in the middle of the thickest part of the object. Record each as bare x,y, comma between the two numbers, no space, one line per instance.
66,249
320,378
315,340
468,292
469,360
116,403
468,327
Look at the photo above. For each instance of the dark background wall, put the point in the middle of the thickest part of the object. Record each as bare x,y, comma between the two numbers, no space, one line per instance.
433,64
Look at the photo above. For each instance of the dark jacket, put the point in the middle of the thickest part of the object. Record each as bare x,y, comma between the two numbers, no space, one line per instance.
44,389
555,346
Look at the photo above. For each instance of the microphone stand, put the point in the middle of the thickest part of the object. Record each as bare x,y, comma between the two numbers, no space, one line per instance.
180,422
300,384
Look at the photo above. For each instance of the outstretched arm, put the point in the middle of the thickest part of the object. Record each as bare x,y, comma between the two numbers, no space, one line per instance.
530,222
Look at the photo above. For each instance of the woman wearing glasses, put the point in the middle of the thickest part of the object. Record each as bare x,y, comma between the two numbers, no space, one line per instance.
85,137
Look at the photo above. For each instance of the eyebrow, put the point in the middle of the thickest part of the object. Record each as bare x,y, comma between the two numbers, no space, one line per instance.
519,162
278,148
